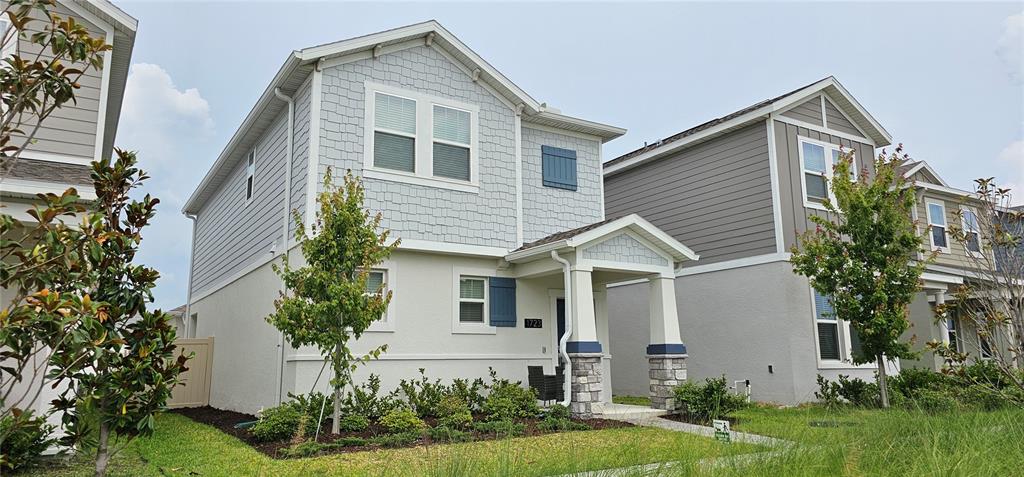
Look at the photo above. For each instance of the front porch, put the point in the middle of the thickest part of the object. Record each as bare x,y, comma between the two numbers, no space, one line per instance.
575,267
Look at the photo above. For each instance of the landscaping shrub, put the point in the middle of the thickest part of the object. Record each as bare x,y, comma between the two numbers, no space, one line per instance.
367,401
277,423
396,440
304,449
454,413
506,428
353,423
422,395
828,393
552,424
711,400
558,411
311,405
934,402
25,443
509,401
402,421
910,381
469,392
859,392
448,434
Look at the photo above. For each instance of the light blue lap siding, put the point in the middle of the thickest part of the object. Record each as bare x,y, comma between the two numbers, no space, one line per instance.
547,210
421,212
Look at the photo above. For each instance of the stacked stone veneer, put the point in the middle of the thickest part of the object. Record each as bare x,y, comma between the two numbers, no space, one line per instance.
667,371
586,384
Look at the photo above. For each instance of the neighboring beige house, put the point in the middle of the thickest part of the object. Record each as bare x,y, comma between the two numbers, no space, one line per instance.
76,134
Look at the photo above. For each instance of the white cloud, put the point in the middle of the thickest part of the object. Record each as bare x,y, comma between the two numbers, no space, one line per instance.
1012,157
1010,47
171,129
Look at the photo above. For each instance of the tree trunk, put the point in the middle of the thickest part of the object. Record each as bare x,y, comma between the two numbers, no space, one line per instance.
883,382
102,453
336,421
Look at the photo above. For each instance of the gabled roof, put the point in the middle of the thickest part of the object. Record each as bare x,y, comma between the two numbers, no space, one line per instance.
910,168
588,233
753,113
301,63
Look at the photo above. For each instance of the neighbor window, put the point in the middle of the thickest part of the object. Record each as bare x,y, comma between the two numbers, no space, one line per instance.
375,281
394,133
819,161
828,327
937,221
973,231
952,333
472,299
984,347
250,174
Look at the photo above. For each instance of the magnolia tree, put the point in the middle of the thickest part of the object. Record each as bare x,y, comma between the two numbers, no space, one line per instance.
861,256
991,300
326,302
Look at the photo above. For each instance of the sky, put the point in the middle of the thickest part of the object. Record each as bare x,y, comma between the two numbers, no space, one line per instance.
945,79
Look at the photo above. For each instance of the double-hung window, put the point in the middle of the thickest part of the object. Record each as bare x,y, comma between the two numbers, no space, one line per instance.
972,231
472,299
837,340
818,161
936,212
952,333
250,175
420,139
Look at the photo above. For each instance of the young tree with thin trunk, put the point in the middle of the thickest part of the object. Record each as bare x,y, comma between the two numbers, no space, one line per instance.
861,256
326,303
991,300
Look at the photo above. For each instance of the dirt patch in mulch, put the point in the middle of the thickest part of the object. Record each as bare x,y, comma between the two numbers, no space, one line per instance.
226,421
686,418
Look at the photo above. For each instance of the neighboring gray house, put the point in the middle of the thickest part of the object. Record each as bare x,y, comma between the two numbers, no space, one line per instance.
497,198
738,190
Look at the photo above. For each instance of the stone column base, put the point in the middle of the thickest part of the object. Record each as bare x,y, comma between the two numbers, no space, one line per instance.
586,384
666,371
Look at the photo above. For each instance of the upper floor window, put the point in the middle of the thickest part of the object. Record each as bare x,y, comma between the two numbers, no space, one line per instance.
972,230
936,212
420,139
818,161
558,167
250,174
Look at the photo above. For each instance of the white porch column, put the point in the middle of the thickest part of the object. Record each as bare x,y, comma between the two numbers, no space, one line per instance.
666,354
940,299
584,349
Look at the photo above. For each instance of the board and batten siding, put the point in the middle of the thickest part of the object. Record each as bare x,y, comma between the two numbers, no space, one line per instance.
547,210
838,121
71,129
795,217
809,111
232,234
715,198
957,256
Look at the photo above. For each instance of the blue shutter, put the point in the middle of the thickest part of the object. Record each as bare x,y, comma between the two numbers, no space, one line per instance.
503,301
559,167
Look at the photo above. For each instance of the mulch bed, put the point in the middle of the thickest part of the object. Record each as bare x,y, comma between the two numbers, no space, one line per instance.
686,418
225,421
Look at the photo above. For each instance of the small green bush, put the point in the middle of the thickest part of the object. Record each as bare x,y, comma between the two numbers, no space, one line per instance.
402,421
557,411
910,381
448,434
506,428
367,401
711,400
277,423
828,393
934,402
422,395
353,423
469,392
509,401
304,449
452,412
27,438
859,392
349,442
396,440
552,424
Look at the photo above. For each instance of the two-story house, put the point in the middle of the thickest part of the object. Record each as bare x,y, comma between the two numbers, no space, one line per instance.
739,190
497,199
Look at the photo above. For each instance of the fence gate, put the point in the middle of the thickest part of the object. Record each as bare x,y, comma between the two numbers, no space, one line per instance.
194,389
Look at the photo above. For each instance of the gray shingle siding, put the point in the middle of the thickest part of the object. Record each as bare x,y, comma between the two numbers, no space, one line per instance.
809,111
547,210
300,161
231,234
625,249
416,211
715,198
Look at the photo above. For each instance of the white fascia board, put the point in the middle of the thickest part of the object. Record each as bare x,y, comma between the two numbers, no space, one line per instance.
860,109
126,21
31,188
452,248
604,131
668,244
944,189
942,278
924,165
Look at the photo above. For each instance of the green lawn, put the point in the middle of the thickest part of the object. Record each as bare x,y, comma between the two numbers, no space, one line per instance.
843,442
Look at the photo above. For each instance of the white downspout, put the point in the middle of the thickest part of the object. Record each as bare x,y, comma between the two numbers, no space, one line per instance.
284,224
568,327
187,319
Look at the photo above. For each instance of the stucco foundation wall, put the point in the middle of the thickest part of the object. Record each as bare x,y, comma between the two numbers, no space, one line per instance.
922,330
734,322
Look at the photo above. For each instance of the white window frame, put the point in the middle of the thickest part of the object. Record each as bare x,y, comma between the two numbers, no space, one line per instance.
11,47
945,225
845,360
459,327
963,222
423,169
250,175
829,168
953,329
387,323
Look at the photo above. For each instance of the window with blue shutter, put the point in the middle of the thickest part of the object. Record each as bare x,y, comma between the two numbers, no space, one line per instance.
559,167
503,301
